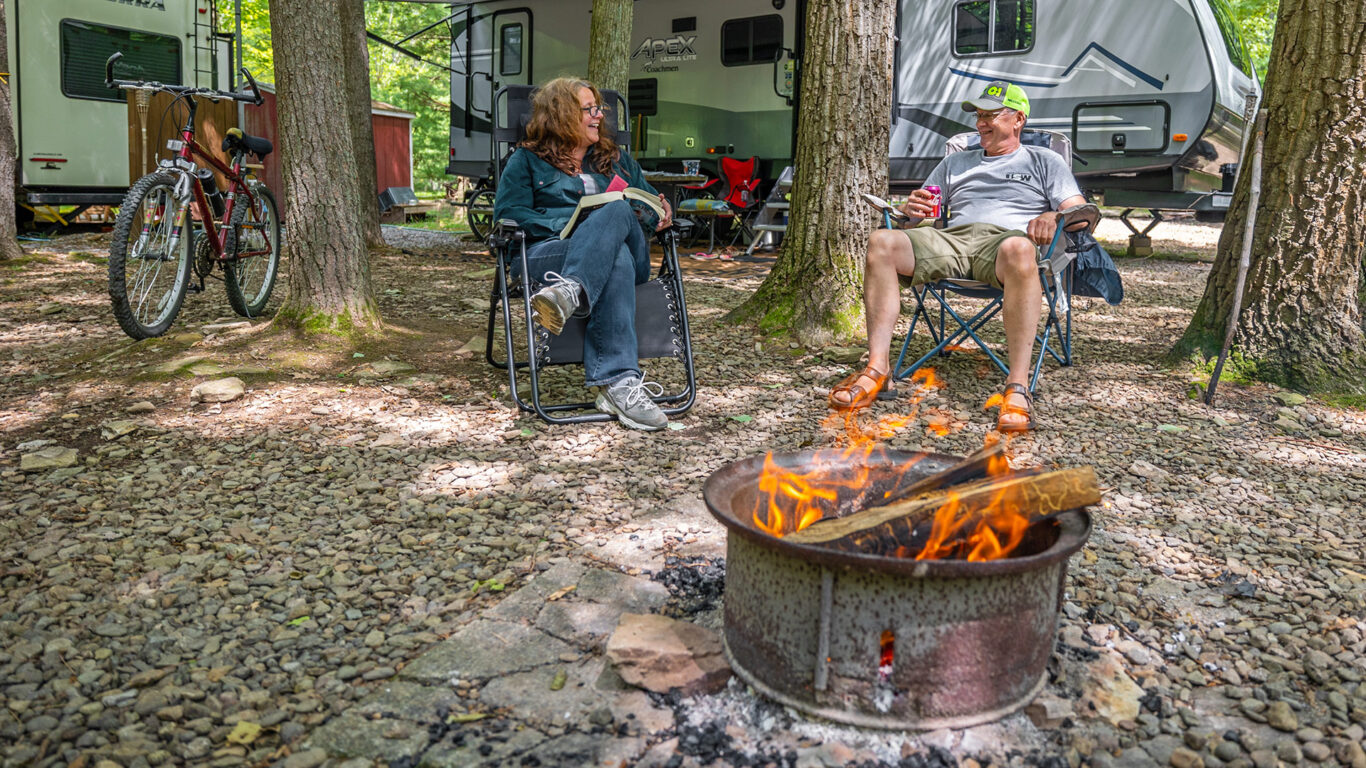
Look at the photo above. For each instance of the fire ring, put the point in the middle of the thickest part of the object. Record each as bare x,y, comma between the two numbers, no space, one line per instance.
887,642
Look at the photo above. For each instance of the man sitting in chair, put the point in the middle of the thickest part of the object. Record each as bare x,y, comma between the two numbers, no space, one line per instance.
1003,200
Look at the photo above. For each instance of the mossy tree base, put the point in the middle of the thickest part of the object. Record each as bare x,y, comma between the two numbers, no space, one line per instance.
1301,324
346,324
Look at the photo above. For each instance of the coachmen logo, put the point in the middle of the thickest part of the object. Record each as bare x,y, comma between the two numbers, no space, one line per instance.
677,48
155,5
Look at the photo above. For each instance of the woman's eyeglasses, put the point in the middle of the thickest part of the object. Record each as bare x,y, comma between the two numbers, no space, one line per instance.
594,111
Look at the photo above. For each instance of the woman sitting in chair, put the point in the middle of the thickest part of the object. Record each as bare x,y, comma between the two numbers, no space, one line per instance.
594,273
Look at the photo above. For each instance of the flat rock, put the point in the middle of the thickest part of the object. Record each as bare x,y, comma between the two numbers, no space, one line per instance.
1289,399
354,736
1048,711
529,695
113,430
218,390
52,457
224,327
142,406
171,366
1108,693
486,649
390,367
661,654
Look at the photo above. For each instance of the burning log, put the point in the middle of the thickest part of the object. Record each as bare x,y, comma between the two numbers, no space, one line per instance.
976,521
991,459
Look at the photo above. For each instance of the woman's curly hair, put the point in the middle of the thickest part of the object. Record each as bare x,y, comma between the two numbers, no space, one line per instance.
555,128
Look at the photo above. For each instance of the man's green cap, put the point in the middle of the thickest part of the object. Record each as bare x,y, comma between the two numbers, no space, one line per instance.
997,94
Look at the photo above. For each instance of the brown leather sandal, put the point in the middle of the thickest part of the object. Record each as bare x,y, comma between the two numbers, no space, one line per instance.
859,396
1014,410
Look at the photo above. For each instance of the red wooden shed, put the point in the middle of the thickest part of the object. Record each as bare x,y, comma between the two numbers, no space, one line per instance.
393,129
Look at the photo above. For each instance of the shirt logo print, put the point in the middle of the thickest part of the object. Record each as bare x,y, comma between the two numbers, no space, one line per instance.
1024,177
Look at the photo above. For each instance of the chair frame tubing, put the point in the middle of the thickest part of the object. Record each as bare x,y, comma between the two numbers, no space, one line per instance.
1059,321
501,299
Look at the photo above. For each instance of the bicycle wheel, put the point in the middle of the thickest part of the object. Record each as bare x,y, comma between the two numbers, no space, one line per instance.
253,229
479,213
149,260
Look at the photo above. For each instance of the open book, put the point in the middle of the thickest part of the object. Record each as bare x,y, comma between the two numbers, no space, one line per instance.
588,203
883,205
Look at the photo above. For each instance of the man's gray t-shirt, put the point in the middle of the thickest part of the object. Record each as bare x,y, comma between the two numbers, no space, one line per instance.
1006,190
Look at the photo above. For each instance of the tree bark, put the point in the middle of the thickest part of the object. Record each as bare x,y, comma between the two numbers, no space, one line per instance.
9,164
815,289
1302,320
609,45
329,287
357,58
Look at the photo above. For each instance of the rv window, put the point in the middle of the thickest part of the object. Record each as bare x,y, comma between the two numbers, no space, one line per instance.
1237,52
1014,29
642,96
510,54
755,40
984,26
971,23
85,47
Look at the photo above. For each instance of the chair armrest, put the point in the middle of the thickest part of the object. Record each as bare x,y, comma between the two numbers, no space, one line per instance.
1080,217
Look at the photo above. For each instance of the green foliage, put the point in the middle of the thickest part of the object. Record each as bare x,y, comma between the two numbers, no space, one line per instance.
1256,20
396,79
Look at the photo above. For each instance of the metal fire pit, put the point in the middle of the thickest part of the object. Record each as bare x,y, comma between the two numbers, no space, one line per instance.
806,626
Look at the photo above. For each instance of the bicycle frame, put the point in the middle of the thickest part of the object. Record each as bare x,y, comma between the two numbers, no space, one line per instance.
190,150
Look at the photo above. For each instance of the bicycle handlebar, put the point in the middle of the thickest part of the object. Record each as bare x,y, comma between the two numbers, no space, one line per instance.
254,96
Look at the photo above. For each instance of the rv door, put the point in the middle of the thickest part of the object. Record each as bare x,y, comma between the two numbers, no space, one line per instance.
511,48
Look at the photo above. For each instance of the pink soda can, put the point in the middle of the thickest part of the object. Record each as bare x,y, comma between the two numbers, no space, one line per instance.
936,198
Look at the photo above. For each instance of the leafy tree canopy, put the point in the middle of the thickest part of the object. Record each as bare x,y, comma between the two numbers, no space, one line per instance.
423,89
1256,20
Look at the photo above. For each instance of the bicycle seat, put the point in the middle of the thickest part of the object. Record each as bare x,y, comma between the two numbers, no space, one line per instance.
253,144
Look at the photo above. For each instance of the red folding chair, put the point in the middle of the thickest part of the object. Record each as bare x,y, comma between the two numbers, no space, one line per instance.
739,200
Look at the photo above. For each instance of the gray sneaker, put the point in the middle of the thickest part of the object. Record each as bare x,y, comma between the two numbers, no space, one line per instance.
554,304
629,400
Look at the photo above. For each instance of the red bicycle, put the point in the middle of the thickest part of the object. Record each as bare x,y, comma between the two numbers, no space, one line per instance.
156,244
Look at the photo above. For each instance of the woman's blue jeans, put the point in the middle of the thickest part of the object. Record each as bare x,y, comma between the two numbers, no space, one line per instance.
609,256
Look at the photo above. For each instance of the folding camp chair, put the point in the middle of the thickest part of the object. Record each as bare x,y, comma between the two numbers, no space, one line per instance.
1056,271
661,314
739,200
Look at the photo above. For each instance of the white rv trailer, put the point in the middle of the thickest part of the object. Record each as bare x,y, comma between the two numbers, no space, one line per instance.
1152,92
72,132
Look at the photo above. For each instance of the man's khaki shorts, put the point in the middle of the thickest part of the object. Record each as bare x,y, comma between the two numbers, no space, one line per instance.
964,251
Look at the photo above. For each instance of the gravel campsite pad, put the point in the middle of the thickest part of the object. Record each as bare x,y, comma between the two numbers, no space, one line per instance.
224,547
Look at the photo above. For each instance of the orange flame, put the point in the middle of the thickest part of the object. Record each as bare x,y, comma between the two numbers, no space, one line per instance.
790,500
989,533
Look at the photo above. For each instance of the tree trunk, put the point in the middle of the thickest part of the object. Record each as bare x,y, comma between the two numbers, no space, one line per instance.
329,287
609,45
815,289
357,57
1302,316
9,243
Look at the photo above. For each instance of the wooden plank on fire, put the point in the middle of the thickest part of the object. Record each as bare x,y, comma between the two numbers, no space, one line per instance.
1036,493
968,468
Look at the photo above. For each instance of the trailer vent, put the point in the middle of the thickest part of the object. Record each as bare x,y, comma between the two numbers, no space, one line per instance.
688,24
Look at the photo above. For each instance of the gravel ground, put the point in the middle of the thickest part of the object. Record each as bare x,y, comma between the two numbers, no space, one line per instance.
204,584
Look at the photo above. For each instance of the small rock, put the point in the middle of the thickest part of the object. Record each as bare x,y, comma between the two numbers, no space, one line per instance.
142,406
52,457
1280,716
113,430
1048,712
661,654
1289,399
1185,758
51,308
1108,692
222,327
1317,751
218,390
